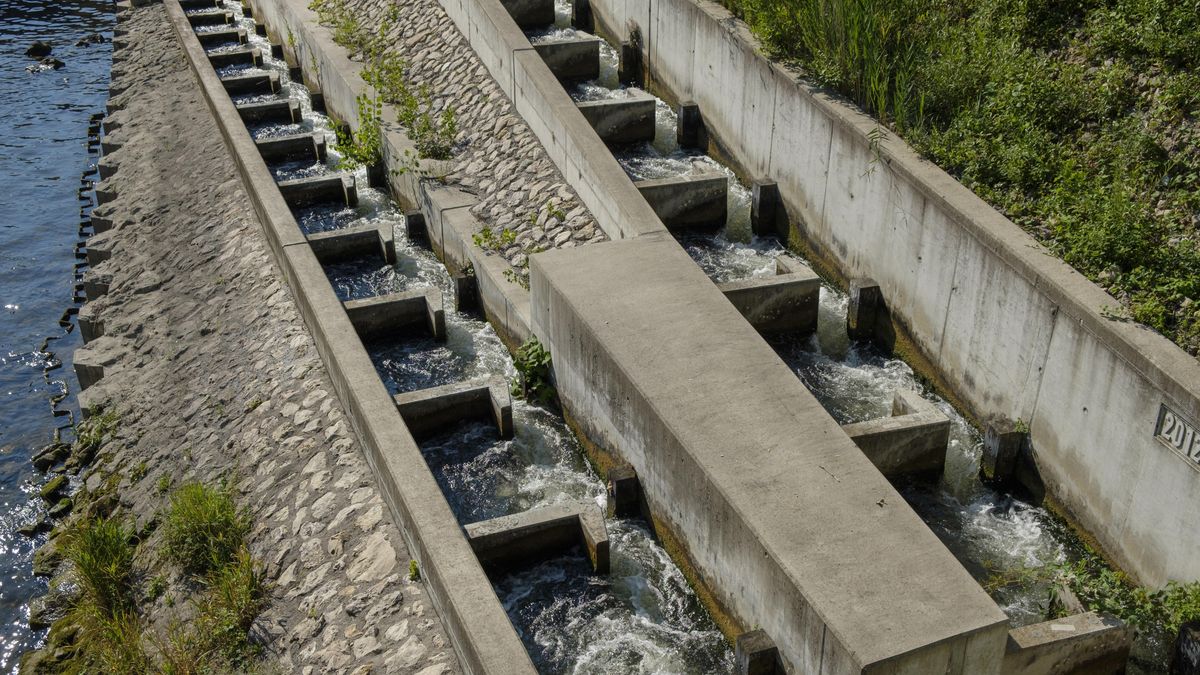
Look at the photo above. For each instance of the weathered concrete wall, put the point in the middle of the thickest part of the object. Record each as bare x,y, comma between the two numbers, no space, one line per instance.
1008,328
1086,643
785,521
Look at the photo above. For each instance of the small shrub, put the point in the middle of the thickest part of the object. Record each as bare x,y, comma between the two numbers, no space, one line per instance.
414,571
534,371
364,148
204,529
103,559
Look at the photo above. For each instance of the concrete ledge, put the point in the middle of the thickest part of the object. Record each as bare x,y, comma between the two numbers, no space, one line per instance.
574,60
94,360
220,37
95,283
249,57
426,411
354,242
302,192
621,121
1081,644
530,13
386,314
91,322
210,18
295,147
785,303
258,83
912,441
283,112
523,539
688,202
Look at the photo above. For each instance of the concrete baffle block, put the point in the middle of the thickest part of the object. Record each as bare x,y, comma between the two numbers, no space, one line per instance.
624,492
255,83
785,303
690,125
210,18
414,226
912,441
301,192
1185,659
575,60
354,242
622,121
755,654
283,112
249,57
530,13
219,37
310,146
466,291
1080,644
427,411
581,15
687,202
764,207
525,538
864,309
1003,441
385,314
629,64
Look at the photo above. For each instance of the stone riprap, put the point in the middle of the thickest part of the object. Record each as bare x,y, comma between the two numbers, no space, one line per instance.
215,375
497,158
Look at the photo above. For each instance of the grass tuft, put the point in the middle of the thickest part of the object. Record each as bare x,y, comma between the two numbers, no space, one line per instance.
204,529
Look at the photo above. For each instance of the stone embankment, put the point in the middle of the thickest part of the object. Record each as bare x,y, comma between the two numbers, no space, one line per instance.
214,377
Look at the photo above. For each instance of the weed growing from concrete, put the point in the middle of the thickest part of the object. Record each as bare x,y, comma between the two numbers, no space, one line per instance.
487,239
414,571
534,373
364,147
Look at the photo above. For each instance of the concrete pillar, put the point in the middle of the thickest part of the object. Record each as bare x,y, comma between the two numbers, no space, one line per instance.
764,207
690,125
866,305
624,492
755,654
1002,445
581,15
466,292
1186,655
414,225
629,65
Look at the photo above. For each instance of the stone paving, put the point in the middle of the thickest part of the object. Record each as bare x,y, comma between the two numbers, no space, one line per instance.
497,158
216,376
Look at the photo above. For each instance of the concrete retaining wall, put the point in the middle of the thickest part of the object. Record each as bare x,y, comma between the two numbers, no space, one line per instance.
1005,327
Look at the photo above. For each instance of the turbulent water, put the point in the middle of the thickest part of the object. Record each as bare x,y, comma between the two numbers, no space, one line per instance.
1003,542
642,617
43,126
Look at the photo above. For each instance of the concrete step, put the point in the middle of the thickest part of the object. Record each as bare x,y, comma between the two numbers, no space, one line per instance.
530,13
250,56
300,192
786,303
688,202
912,441
293,147
387,315
256,83
353,242
220,37
427,411
576,60
282,111
210,18
524,539
622,121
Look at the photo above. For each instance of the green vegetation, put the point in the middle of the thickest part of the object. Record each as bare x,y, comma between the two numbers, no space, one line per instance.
488,240
414,571
1105,590
534,372
1076,118
108,632
364,148
91,432
204,529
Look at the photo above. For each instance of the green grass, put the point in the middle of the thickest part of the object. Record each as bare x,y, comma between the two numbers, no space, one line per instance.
103,560
1076,118
204,530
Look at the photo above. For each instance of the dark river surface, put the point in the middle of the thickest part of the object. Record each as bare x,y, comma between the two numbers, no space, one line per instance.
43,131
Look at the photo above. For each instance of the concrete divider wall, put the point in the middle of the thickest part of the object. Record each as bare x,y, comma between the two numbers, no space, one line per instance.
1008,329
482,635
783,521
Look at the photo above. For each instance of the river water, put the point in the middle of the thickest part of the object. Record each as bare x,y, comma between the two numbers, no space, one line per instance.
43,128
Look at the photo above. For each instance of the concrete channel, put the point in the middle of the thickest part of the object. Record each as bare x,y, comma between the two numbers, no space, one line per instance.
794,544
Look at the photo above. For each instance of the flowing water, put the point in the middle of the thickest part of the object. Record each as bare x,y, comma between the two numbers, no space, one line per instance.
43,128
1006,544
642,617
